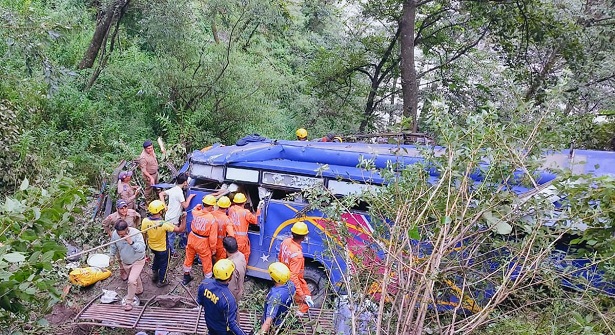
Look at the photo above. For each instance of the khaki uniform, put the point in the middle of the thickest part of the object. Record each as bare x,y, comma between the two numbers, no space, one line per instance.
149,163
127,193
236,282
133,218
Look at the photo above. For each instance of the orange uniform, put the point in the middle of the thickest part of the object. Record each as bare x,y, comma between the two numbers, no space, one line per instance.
225,228
241,219
291,254
202,241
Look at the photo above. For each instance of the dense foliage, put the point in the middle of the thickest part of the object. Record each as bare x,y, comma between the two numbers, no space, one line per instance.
34,221
451,238
83,83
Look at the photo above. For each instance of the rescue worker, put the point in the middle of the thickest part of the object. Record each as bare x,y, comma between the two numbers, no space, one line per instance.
226,189
330,137
149,169
219,304
157,241
203,238
291,254
279,299
176,206
240,218
132,256
235,285
225,227
301,134
126,191
132,217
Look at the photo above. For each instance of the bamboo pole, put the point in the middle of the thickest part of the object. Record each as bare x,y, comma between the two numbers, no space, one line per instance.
123,238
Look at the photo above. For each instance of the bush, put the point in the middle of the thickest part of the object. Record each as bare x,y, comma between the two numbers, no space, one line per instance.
33,221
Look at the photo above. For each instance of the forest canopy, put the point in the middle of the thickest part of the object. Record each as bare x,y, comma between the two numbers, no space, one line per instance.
84,82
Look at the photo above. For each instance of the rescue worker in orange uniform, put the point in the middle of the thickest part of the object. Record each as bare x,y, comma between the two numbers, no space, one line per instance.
225,227
241,218
203,238
291,254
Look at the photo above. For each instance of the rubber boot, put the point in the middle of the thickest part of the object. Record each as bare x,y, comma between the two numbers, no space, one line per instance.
187,278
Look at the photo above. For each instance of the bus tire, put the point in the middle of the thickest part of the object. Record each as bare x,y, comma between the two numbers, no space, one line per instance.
317,281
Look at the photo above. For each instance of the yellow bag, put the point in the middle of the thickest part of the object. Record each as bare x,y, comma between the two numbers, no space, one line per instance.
87,276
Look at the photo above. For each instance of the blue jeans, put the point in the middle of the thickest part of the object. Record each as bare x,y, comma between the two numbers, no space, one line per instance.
171,237
159,266
171,242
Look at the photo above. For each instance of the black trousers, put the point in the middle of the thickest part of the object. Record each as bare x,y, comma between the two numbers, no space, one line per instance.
160,264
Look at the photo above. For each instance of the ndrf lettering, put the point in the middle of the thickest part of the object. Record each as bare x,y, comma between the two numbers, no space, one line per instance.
211,296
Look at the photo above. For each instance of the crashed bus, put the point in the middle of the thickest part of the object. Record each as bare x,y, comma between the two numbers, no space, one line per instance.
274,173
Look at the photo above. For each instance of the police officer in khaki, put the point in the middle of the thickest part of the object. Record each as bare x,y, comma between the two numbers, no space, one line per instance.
149,169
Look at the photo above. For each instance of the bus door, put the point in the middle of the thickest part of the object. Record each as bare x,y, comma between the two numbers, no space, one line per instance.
275,221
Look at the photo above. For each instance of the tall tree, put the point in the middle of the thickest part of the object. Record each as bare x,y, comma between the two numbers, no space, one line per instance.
106,18
409,80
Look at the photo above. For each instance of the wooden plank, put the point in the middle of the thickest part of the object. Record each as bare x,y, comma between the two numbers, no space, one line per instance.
186,320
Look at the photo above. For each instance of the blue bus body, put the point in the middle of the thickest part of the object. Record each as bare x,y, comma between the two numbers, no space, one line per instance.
284,168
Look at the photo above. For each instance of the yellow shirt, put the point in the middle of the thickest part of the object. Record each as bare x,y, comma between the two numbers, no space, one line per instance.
156,237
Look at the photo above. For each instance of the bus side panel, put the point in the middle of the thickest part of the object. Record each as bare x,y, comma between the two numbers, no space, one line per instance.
276,227
280,217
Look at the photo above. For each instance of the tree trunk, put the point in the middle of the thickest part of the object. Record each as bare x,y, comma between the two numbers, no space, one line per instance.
409,85
214,27
369,106
376,79
103,26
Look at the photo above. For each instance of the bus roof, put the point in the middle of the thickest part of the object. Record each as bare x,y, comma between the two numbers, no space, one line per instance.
361,162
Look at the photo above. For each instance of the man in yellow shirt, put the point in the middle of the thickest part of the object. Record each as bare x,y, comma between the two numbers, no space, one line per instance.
157,240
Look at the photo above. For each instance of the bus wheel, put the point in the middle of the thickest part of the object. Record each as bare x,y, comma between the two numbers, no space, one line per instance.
317,283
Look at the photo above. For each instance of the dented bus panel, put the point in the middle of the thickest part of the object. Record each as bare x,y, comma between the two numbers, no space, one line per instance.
274,173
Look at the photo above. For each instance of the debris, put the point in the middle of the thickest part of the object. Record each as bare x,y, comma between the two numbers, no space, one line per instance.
100,261
109,296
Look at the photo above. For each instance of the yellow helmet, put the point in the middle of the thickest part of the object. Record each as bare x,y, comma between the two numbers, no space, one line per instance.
223,269
155,207
279,272
301,133
300,228
224,202
239,198
209,200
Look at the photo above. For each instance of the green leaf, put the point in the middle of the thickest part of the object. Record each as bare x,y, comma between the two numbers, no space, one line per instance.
414,233
13,206
446,220
24,184
14,257
37,213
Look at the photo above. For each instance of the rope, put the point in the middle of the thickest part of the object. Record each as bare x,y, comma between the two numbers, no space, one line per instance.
125,237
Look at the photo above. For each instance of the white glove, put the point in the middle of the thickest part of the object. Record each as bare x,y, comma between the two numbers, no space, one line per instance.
261,204
309,301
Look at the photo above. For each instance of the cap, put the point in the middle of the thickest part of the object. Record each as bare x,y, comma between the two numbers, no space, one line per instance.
147,143
125,174
120,203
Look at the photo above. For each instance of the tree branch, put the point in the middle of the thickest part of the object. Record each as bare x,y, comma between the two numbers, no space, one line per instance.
440,29
597,81
425,25
459,53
